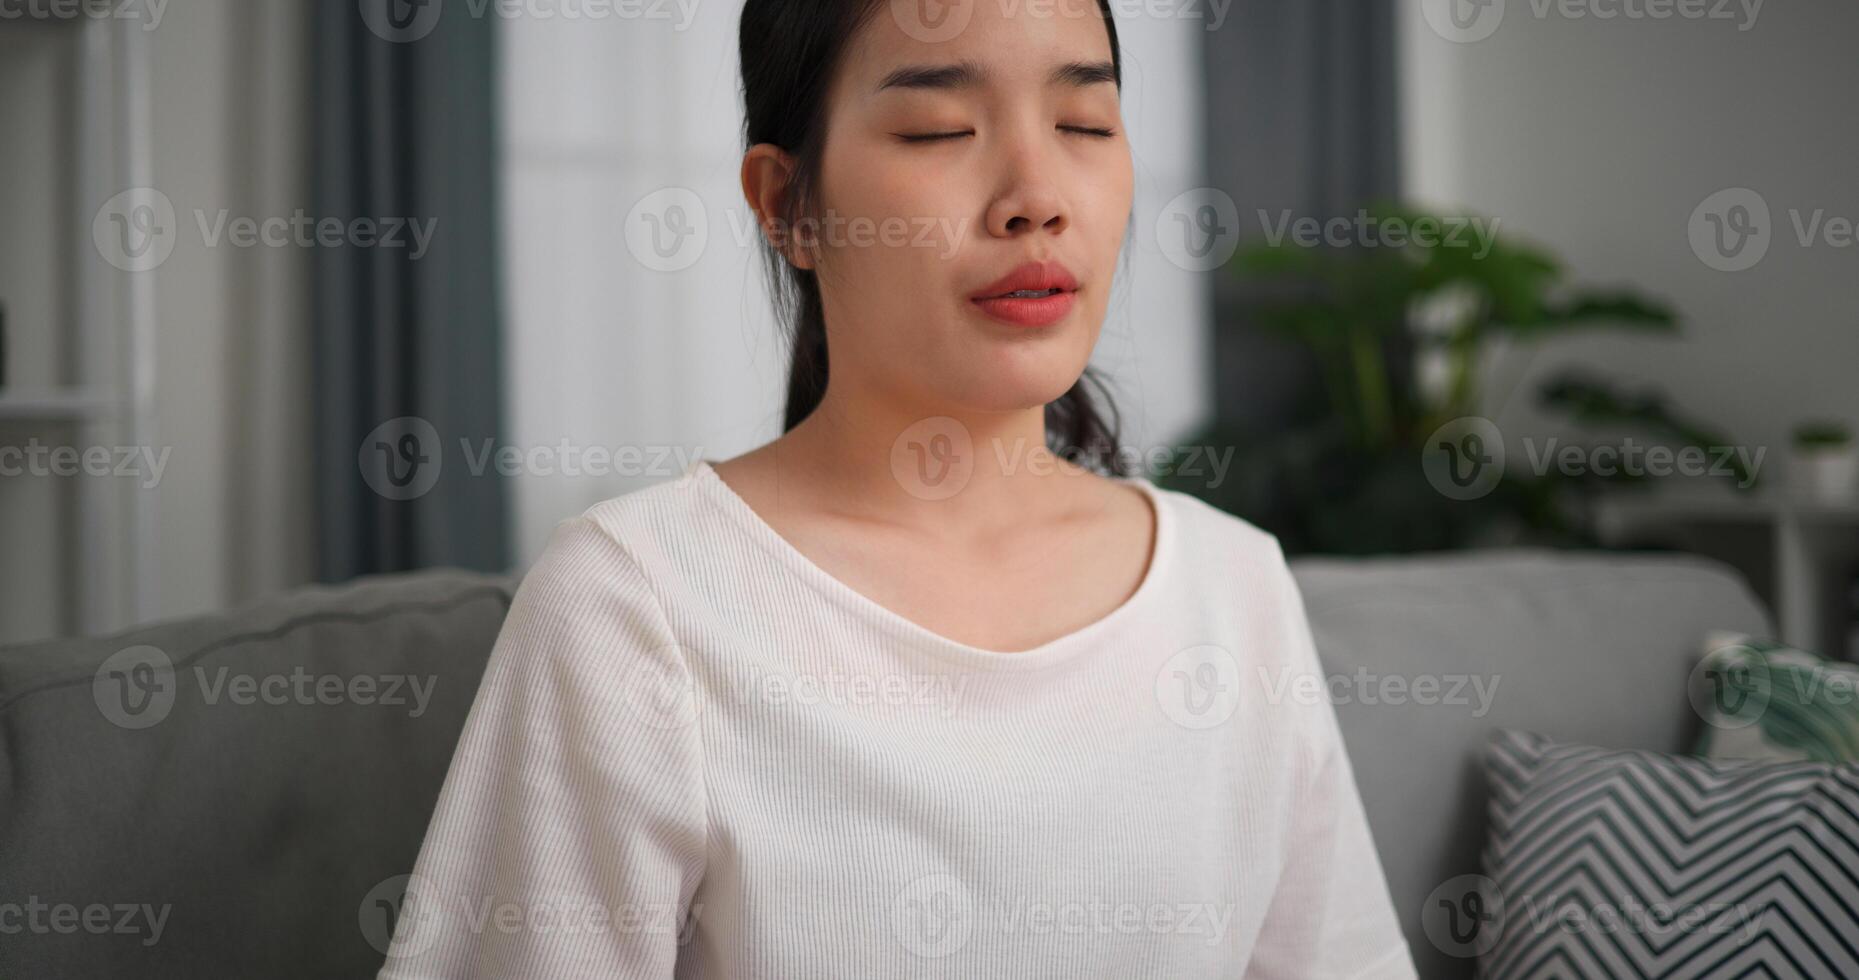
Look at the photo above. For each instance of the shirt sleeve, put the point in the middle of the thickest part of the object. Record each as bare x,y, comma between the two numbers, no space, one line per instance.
569,834
1331,916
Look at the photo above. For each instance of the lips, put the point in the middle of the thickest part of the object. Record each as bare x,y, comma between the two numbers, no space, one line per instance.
1033,279
1037,294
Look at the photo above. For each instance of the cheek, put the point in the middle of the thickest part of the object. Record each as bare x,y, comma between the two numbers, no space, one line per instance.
871,179
895,221
1111,192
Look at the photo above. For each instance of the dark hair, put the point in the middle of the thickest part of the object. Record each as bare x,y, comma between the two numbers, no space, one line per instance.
789,50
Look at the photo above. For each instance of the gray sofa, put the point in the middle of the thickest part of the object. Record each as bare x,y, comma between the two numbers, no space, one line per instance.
215,828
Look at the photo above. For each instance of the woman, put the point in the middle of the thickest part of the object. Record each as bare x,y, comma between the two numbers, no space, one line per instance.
904,692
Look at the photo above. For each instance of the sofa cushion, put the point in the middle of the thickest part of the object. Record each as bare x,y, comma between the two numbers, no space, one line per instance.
1429,655
1623,863
218,796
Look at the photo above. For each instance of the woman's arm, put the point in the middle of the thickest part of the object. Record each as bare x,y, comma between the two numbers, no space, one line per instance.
1331,916
569,835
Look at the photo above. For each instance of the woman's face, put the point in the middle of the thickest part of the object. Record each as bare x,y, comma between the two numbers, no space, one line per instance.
913,229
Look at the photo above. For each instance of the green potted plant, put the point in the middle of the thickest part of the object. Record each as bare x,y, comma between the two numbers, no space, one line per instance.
1351,479
1826,463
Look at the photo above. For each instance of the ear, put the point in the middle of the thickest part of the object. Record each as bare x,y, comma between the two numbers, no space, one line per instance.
766,172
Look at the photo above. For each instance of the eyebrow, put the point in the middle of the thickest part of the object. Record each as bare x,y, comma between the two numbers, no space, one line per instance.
970,74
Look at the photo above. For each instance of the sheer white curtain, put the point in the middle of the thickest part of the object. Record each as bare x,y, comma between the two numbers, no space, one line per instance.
617,349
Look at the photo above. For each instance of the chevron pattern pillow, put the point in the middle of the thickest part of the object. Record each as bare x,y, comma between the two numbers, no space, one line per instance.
1604,863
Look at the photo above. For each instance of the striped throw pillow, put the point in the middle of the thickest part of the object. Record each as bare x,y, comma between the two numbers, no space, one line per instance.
1768,701
1606,863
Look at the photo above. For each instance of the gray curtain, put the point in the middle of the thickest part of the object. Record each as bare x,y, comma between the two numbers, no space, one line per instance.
1301,118
404,130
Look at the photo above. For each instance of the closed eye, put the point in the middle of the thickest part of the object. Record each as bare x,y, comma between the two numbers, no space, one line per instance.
932,137
936,137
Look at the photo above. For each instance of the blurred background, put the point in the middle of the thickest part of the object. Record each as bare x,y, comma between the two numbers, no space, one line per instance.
1525,325
295,292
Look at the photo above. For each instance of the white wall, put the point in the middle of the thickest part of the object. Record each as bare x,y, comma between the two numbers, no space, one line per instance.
599,113
230,119
1600,137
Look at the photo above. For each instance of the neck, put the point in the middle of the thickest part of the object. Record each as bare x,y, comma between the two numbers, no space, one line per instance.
898,459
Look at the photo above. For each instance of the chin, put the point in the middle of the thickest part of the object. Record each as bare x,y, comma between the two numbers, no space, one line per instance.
1018,390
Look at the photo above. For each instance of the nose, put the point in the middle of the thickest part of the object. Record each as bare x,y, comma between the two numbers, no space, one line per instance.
1031,200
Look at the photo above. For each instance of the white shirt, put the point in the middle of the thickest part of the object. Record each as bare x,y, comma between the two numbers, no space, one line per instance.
695,753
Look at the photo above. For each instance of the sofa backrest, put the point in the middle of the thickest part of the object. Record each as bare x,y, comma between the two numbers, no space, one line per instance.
233,795
265,825
1593,648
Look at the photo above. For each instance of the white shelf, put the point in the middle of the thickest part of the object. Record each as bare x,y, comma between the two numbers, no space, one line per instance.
56,405
1758,506
87,80
1813,548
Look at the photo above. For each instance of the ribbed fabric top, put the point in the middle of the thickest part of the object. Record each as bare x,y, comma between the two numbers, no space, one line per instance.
695,753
